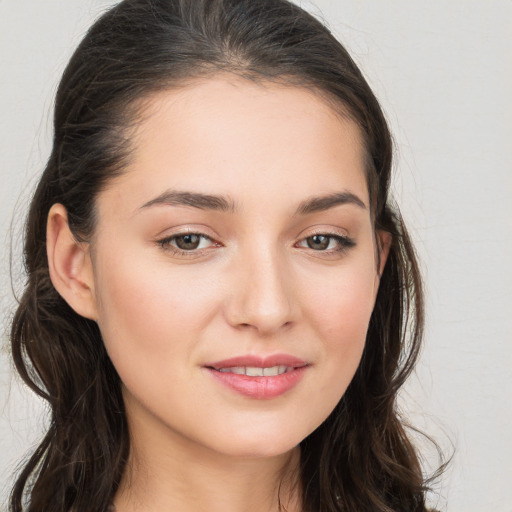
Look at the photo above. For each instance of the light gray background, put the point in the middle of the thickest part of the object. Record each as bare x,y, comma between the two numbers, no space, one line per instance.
443,72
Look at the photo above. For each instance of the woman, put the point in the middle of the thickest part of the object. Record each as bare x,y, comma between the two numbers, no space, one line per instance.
222,302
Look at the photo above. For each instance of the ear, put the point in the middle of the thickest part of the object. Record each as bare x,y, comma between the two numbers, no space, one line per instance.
69,263
384,240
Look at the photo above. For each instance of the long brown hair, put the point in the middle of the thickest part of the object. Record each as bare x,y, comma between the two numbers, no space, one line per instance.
360,458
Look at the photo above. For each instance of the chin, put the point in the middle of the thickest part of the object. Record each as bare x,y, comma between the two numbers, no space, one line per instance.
261,448
265,443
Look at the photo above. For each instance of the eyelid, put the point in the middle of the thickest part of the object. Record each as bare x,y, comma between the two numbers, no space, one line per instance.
326,231
345,240
323,230
165,241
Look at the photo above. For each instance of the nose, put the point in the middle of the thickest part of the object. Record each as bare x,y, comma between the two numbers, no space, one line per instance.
263,297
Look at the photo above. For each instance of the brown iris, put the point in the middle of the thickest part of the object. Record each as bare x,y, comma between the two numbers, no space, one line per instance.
188,242
318,242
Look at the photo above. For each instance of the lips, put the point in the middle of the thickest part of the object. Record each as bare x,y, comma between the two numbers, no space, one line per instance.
259,377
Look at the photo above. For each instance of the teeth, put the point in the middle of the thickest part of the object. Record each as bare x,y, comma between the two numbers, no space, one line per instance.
274,370
255,371
240,370
252,371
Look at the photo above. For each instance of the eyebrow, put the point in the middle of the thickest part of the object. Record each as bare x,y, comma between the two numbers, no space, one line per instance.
225,204
193,199
322,203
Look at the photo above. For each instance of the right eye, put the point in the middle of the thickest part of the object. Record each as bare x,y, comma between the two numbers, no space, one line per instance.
186,242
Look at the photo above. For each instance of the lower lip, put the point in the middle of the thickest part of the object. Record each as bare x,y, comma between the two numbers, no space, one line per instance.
261,388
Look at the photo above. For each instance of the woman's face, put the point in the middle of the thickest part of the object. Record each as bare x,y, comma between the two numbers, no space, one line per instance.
235,266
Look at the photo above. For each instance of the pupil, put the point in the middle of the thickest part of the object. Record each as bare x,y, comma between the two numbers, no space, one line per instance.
319,242
188,242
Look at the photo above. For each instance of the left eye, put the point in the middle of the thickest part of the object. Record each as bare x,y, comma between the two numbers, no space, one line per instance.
187,242
325,242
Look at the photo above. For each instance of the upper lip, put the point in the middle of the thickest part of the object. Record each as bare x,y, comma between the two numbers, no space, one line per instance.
259,361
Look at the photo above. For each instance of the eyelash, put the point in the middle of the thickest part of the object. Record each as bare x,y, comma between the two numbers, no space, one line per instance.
167,244
344,243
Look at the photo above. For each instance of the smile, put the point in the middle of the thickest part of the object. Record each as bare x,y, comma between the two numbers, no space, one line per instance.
260,378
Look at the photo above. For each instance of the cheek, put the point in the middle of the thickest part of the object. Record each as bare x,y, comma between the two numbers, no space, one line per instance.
340,315
143,308
343,303
151,321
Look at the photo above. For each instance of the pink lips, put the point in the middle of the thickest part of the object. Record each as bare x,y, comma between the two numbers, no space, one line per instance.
259,387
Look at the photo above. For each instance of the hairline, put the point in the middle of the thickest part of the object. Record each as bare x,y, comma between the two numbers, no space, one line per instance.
135,111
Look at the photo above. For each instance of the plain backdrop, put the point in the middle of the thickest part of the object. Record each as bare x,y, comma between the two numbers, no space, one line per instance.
443,72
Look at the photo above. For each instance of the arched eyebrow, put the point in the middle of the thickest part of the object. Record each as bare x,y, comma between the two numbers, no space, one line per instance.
192,199
225,204
322,203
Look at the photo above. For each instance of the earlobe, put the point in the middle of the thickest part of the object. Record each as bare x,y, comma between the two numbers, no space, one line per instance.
69,263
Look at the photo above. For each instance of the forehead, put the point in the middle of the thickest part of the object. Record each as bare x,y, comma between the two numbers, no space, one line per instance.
252,140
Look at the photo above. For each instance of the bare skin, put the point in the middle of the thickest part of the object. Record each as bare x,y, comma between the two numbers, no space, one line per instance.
241,228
